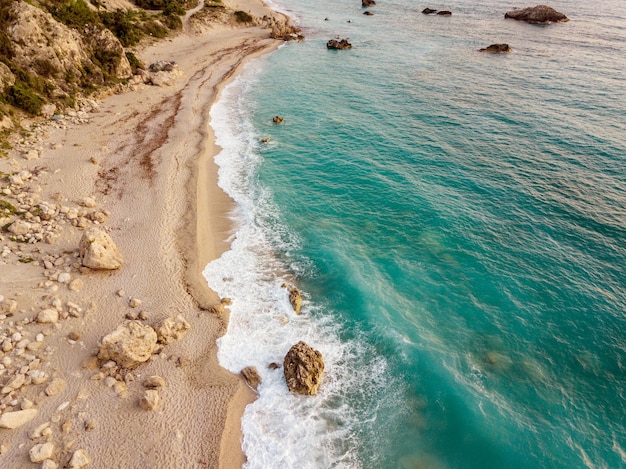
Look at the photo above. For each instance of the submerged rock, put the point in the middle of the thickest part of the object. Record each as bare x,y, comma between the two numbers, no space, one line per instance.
444,13
338,45
303,369
368,3
496,48
540,14
429,11
295,297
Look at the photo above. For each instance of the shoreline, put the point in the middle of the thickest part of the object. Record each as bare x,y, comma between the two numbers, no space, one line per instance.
146,158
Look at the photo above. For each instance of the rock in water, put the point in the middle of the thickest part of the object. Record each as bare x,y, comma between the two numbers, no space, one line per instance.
496,48
368,3
98,251
338,45
303,367
428,11
129,345
295,297
251,375
541,14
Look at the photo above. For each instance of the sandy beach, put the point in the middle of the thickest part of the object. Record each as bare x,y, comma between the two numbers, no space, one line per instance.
140,165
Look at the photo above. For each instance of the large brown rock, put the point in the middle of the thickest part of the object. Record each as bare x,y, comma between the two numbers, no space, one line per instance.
252,377
303,367
540,14
129,345
295,297
98,251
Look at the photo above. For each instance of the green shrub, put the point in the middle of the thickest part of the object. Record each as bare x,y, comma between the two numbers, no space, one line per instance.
25,98
243,17
121,25
134,62
154,29
45,68
173,22
75,14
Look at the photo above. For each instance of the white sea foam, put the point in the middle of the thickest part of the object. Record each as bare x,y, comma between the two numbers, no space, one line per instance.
282,429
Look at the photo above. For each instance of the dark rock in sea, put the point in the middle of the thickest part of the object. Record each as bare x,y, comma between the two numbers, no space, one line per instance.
368,13
429,11
295,297
339,45
496,48
541,14
278,120
303,369
368,3
273,366
444,13
252,377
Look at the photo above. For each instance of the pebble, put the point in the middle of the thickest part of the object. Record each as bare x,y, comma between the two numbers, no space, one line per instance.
154,382
79,460
41,452
64,277
56,386
48,316
150,400
134,302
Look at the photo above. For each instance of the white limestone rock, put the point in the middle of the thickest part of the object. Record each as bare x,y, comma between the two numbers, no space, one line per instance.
41,452
172,329
129,345
17,418
98,251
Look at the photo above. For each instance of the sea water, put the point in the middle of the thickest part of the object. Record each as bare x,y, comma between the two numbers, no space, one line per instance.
456,222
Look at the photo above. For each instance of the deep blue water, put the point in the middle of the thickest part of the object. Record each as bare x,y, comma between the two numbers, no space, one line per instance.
457,224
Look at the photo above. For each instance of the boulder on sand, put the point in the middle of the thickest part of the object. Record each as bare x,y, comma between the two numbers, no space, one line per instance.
129,345
303,368
98,251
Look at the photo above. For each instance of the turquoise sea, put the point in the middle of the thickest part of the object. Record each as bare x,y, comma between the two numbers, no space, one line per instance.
457,224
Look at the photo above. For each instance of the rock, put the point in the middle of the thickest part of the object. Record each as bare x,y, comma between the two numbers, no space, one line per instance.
338,45
278,120
76,285
41,452
98,251
79,460
428,11
88,202
56,386
64,277
172,329
496,48
252,377
15,383
368,3
134,302
154,382
49,464
266,140
150,400
20,227
273,366
8,306
6,76
38,432
303,367
368,13
17,419
444,13
129,345
48,110
295,297
48,316
540,14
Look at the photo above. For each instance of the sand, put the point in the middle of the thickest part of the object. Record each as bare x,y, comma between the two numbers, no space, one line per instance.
146,159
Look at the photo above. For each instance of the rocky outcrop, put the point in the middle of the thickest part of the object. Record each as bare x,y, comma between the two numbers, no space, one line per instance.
98,251
540,14
278,120
303,367
444,13
338,45
429,11
368,3
496,48
45,47
129,345
6,76
282,29
295,297
172,329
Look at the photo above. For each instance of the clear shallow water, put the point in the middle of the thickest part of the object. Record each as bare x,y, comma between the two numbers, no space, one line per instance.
457,223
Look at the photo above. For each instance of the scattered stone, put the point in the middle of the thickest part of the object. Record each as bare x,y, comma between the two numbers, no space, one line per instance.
76,285
20,227
15,383
368,3
143,316
295,297
56,386
88,202
48,316
429,11
444,13
64,277
121,293
79,460
150,400
129,345
90,425
273,366
266,140
8,306
540,14
172,329
49,464
41,452
75,336
98,251
134,302
37,432
303,368
154,382
252,377
368,13
67,426
17,418
496,48
278,120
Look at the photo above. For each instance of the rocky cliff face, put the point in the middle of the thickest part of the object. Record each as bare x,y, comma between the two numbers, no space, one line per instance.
43,46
